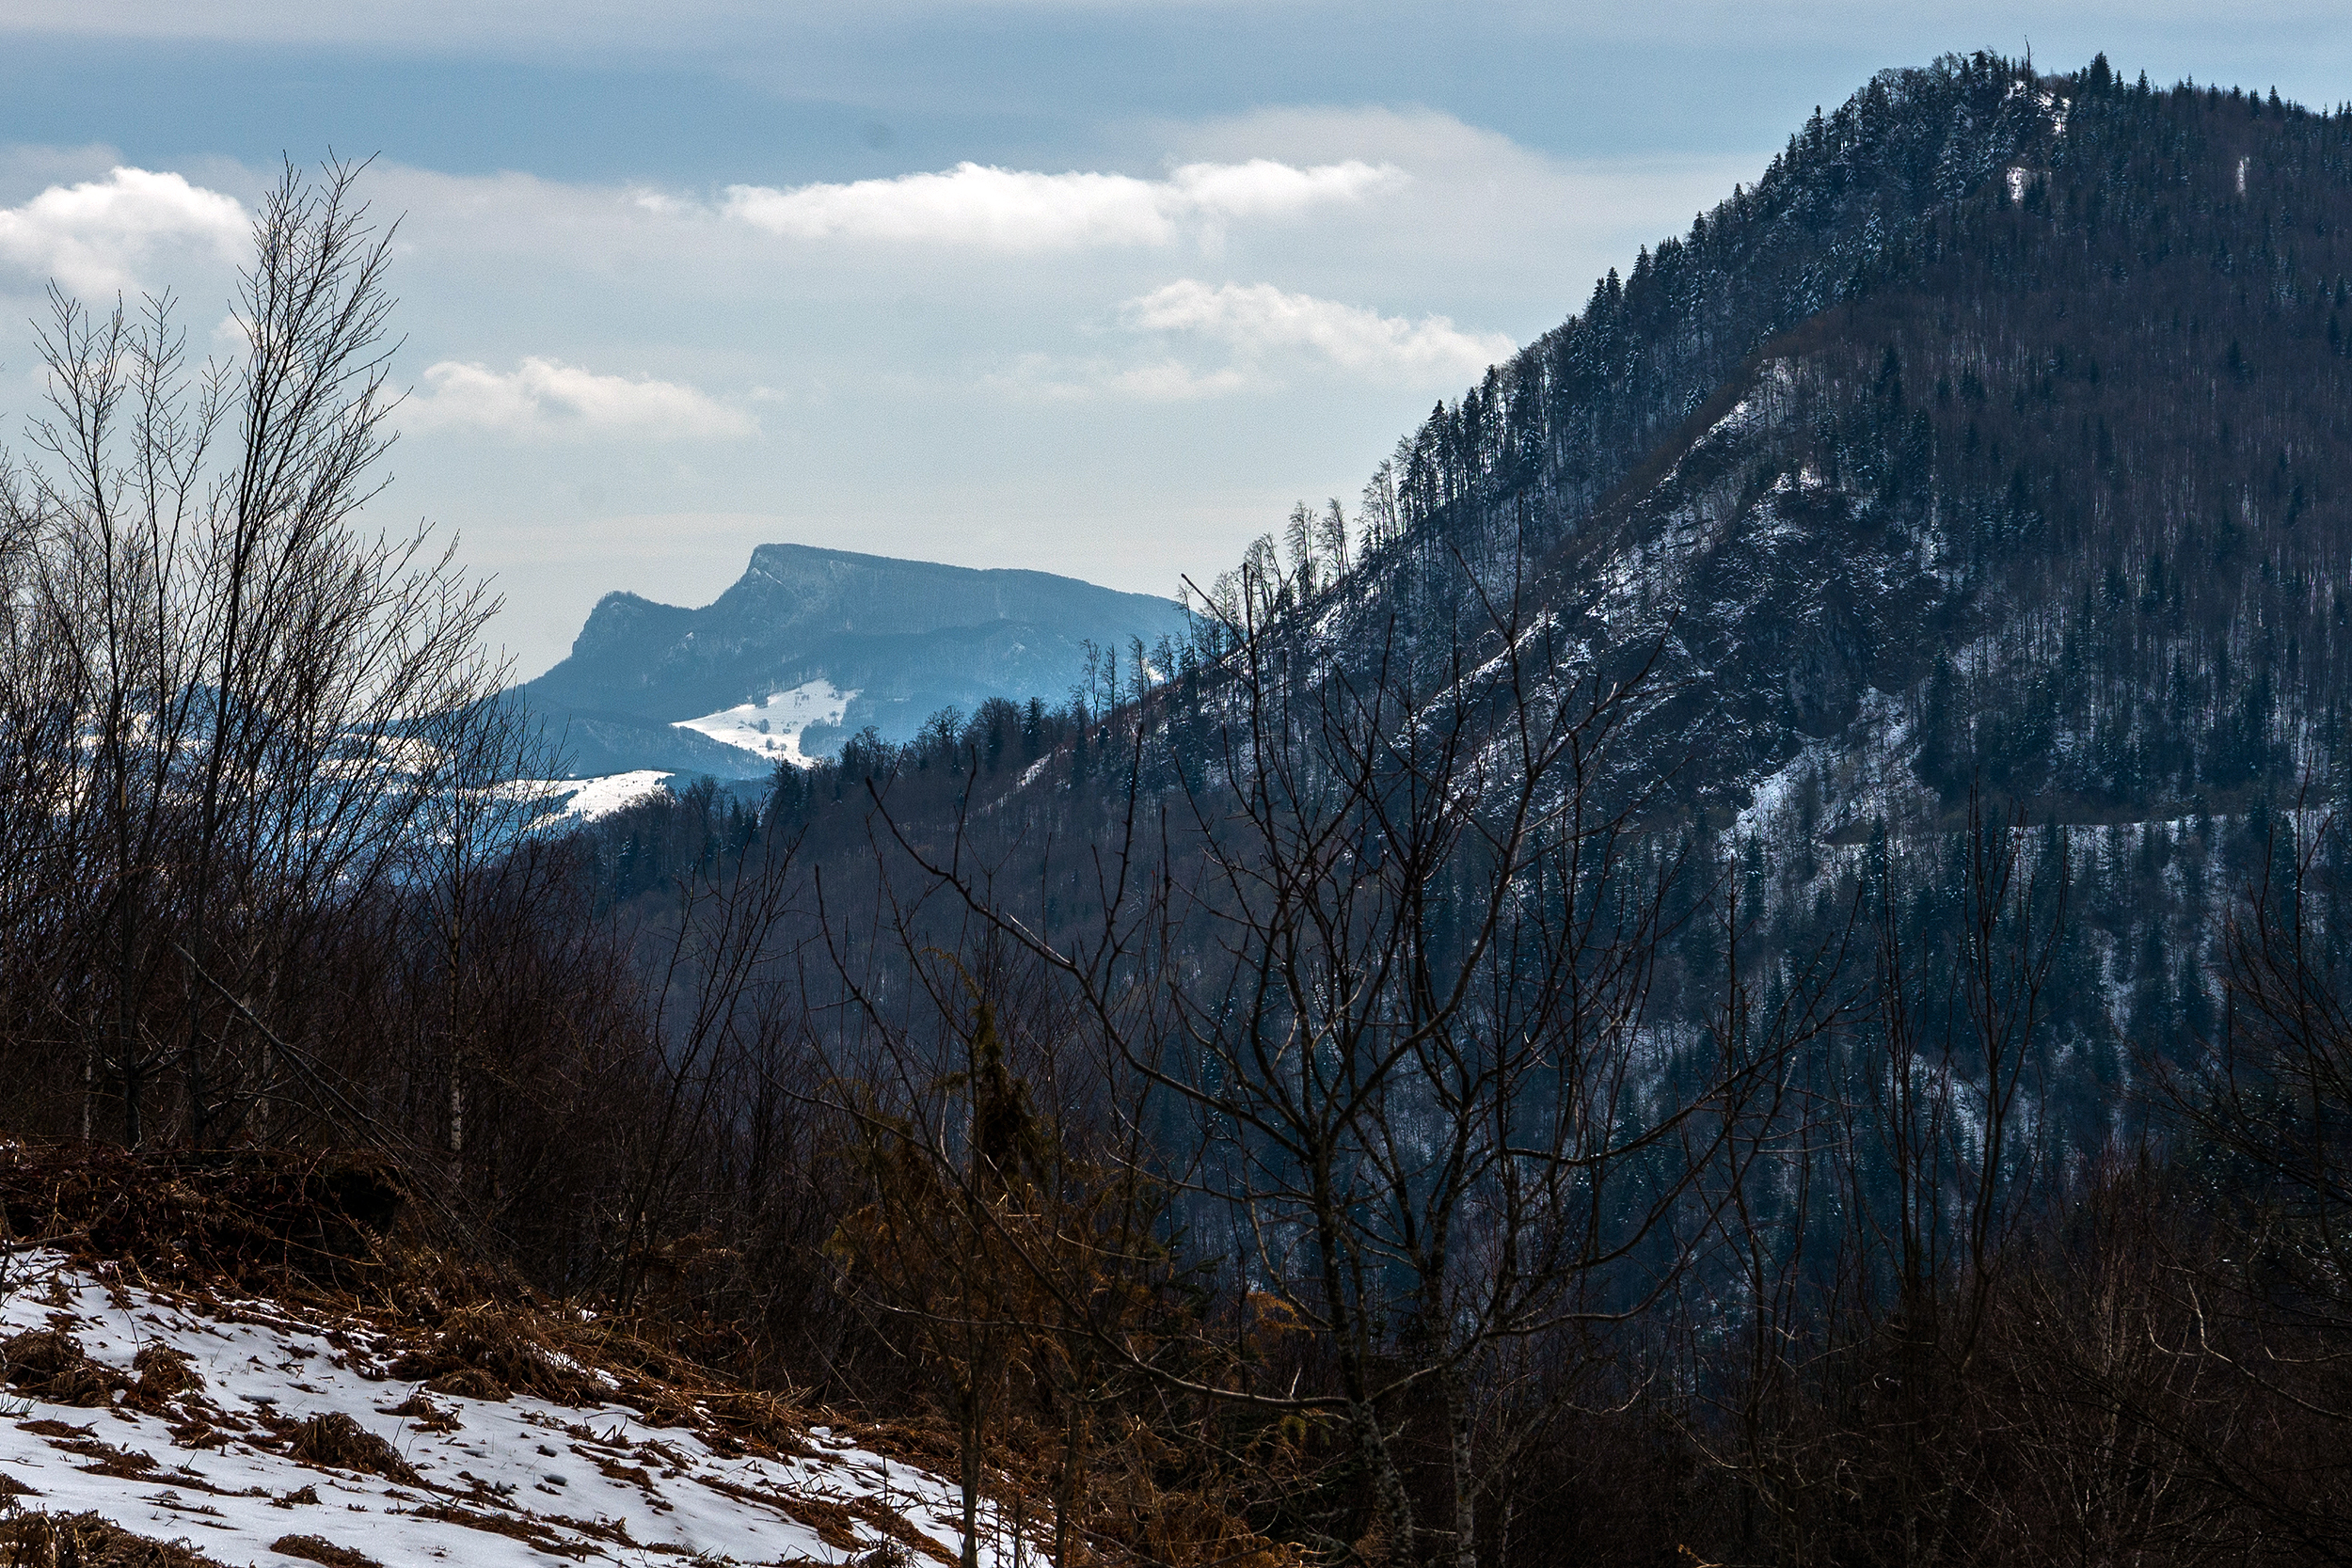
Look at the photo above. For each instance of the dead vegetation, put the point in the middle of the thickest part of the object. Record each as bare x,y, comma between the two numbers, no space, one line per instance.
328,1235
317,1548
165,1373
531,1533
87,1541
336,1442
487,1352
424,1414
50,1365
260,1219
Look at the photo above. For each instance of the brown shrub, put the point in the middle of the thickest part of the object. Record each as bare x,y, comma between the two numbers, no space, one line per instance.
163,1372
426,1414
87,1541
51,1365
317,1548
508,1349
260,1216
468,1383
335,1441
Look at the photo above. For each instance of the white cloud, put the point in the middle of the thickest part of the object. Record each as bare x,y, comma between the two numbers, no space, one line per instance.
547,397
1260,323
1257,317
921,395
93,237
1002,209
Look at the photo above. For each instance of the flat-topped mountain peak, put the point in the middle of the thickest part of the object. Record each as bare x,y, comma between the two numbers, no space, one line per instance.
902,638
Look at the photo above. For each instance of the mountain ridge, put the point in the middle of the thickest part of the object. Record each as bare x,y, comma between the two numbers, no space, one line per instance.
903,638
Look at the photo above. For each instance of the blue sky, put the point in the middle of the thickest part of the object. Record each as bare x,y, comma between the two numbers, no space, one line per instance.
1083,285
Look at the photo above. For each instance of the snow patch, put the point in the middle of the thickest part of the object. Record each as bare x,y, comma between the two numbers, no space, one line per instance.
586,799
515,1484
771,729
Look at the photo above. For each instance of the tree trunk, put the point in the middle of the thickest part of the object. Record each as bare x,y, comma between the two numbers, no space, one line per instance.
968,1423
1066,1498
1372,1446
1387,1486
1458,1409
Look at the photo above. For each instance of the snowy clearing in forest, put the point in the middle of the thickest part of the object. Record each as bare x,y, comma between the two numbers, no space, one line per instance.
771,728
571,801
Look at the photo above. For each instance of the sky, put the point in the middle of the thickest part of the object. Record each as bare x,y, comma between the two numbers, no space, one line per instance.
1098,287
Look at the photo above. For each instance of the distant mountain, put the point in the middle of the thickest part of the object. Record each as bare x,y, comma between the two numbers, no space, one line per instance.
811,645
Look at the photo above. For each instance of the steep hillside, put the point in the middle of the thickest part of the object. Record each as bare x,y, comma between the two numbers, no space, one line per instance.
2006,412
1732,975
849,640
259,1356
2057,504
1992,446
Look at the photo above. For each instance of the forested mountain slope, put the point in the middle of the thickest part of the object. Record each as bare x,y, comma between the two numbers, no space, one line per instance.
2002,424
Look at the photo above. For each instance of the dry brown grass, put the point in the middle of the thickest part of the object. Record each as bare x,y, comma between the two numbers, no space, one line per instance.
427,1416
165,1373
486,1351
535,1535
87,1541
336,1442
315,1232
317,1548
51,1365
265,1219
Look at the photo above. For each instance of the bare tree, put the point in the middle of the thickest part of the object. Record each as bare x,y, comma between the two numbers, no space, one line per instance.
1388,966
248,675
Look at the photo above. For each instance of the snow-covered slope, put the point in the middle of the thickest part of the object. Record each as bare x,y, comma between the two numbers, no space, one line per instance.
771,729
564,802
261,1433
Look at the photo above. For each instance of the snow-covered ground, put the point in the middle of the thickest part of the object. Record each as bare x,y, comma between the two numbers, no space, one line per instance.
771,728
613,792
585,800
511,1481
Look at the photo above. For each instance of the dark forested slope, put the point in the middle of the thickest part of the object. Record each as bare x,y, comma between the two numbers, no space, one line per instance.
2002,425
